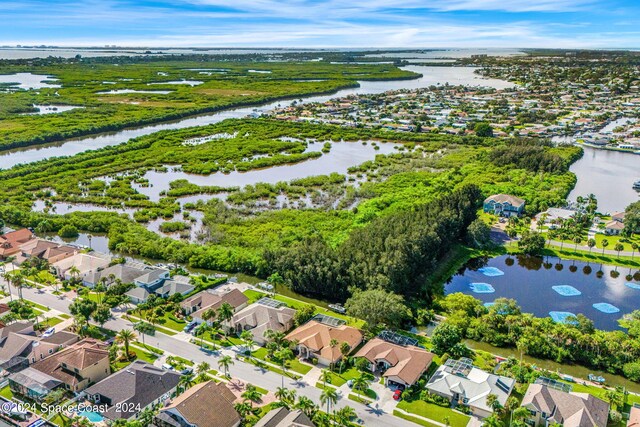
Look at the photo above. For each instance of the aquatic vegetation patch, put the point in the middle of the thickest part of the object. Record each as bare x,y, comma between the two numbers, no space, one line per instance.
605,307
566,290
482,288
491,271
563,316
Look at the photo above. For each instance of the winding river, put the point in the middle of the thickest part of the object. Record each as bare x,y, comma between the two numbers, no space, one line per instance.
430,76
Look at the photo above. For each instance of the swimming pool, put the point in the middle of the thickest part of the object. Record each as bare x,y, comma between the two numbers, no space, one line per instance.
94,417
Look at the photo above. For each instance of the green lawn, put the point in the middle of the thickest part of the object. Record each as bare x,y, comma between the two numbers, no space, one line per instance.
615,239
39,306
413,419
65,316
297,304
145,355
434,412
338,379
52,321
259,363
149,348
359,398
6,392
600,392
294,365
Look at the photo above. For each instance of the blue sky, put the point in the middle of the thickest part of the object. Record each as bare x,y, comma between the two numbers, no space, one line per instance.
323,23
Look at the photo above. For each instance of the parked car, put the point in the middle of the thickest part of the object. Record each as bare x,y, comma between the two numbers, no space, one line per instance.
49,332
190,326
167,367
350,383
186,370
397,395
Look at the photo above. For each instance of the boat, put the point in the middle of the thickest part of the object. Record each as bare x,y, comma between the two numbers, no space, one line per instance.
338,308
596,379
636,185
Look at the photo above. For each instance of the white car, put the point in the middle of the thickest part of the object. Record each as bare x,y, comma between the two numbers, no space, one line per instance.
49,332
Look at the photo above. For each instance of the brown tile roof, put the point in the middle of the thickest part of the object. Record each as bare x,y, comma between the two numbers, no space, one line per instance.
207,404
317,337
210,300
80,355
4,308
407,363
568,409
634,417
10,242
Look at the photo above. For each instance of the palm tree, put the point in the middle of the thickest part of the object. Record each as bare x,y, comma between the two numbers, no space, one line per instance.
344,416
225,313
243,409
201,331
143,328
591,243
224,363
328,397
74,272
307,406
577,241
325,377
634,246
360,384
345,349
618,248
251,394
202,369
605,243
492,421
284,355
186,381
208,315
247,339
124,337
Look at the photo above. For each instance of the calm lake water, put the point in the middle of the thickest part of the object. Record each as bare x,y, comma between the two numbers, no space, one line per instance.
431,76
609,175
27,81
530,283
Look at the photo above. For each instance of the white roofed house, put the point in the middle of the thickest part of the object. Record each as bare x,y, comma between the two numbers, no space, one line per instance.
464,384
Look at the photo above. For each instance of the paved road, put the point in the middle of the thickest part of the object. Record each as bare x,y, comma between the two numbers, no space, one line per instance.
246,372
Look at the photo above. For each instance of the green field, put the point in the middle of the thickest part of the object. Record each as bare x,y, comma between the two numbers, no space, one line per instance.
434,412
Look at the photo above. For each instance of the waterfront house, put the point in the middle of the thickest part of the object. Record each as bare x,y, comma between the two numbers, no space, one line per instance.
634,416
205,404
504,205
618,216
464,384
10,242
133,389
399,364
83,263
197,304
314,340
265,314
550,405
613,228
51,252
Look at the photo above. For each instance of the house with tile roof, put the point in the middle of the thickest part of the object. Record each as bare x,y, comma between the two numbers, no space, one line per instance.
261,316
314,340
549,405
79,365
33,384
197,304
283,417
399,364
205,404
504,205
133,389
10,242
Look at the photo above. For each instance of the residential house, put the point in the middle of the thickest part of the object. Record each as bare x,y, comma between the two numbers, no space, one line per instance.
548,405
314,340
618,216
504,205
10,242
283,417
197,304
634,416
176,285
400,364
133,389
122,272
20,346
266,314
33,384
4,310
613,228
83,263
464,384
205,404
51,252
79,365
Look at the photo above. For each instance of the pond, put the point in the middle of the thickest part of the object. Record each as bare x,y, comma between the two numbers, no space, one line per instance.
550,287
123,91
52,109
178,82
342,156
28,81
